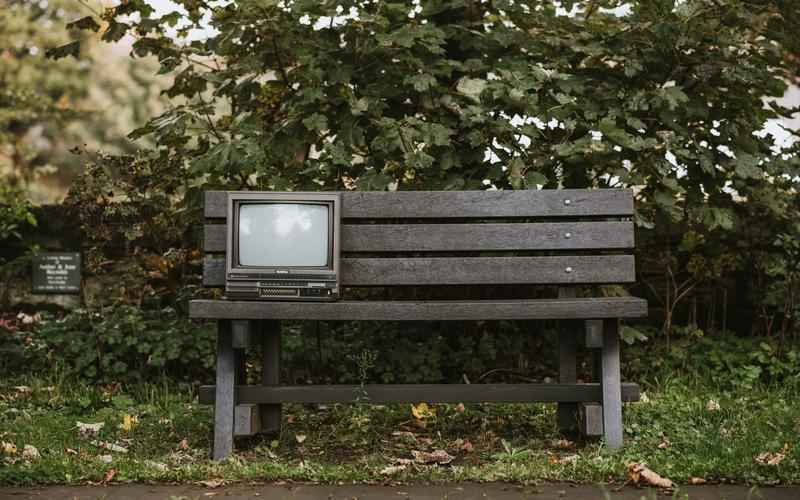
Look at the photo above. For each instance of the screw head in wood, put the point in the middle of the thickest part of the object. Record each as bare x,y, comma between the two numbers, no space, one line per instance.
567,202
568,270
567,235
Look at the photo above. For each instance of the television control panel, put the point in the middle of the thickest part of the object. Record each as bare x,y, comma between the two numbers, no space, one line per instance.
282,290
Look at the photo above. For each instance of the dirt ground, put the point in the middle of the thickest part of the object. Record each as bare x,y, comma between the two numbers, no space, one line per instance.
468,491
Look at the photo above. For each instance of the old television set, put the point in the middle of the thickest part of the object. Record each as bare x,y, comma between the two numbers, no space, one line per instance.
283,246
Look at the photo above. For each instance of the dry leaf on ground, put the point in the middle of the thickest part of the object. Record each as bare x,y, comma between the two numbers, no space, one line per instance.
697,480
109,475
300,438
212,483
89,429
8,448
770,458
184,444
638,473
712,405
569,459
106,459
665,443
422,411
440,457
110,446
562,444
30,452
392,469
129,422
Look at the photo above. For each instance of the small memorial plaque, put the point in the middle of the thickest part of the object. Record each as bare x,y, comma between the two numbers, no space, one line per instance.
58,273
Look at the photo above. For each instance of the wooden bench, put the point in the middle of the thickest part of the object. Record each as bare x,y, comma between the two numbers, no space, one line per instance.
570,240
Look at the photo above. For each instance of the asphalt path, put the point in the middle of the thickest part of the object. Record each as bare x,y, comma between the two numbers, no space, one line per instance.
467,491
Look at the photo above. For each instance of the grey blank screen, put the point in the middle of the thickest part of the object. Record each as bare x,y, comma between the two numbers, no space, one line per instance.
283,234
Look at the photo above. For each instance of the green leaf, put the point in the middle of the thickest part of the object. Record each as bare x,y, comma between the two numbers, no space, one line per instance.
471,87
421,82
316,122
84,23
534,179
70,49
746,166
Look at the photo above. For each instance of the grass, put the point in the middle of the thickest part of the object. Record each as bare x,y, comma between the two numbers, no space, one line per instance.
672,430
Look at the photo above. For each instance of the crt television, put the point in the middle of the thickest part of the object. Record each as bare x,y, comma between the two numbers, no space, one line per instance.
283,246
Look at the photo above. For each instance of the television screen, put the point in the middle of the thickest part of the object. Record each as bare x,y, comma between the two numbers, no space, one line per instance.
283,234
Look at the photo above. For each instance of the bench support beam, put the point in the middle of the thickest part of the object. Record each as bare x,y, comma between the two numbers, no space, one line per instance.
414,393
567,365
612,396
225,393
270,334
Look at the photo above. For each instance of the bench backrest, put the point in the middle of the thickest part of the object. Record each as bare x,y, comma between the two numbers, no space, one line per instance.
553,237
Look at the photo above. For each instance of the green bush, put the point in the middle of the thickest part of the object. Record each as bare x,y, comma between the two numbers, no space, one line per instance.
725,360
120,343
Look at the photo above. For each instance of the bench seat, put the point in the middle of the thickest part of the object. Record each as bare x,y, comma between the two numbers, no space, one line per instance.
409,310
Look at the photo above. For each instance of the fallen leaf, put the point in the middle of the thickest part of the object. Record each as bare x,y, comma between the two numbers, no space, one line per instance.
569,459
8,448
106,459
639,473
697,480
129,422
467,447
392,469
563,444
89,429
156,465
300,438
712,405
437,456
70,451
109,475
110,446
30,452
23,389
422,411
770,458
665,443
460,408
212,483
184,444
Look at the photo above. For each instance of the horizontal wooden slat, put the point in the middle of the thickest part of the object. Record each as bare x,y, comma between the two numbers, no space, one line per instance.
468,204
413,393
467,237
570,269
407,310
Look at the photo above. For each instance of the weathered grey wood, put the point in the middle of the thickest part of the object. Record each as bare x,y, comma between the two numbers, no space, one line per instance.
468,204
594,334
213,271
413,393
242,334
224,392
467,237
270,331
408,310
572,269
612,398
591,419
246,420
567,364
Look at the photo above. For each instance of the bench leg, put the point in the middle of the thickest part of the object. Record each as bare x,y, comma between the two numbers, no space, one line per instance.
567,374
225,398
567,365
611,383
270,332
